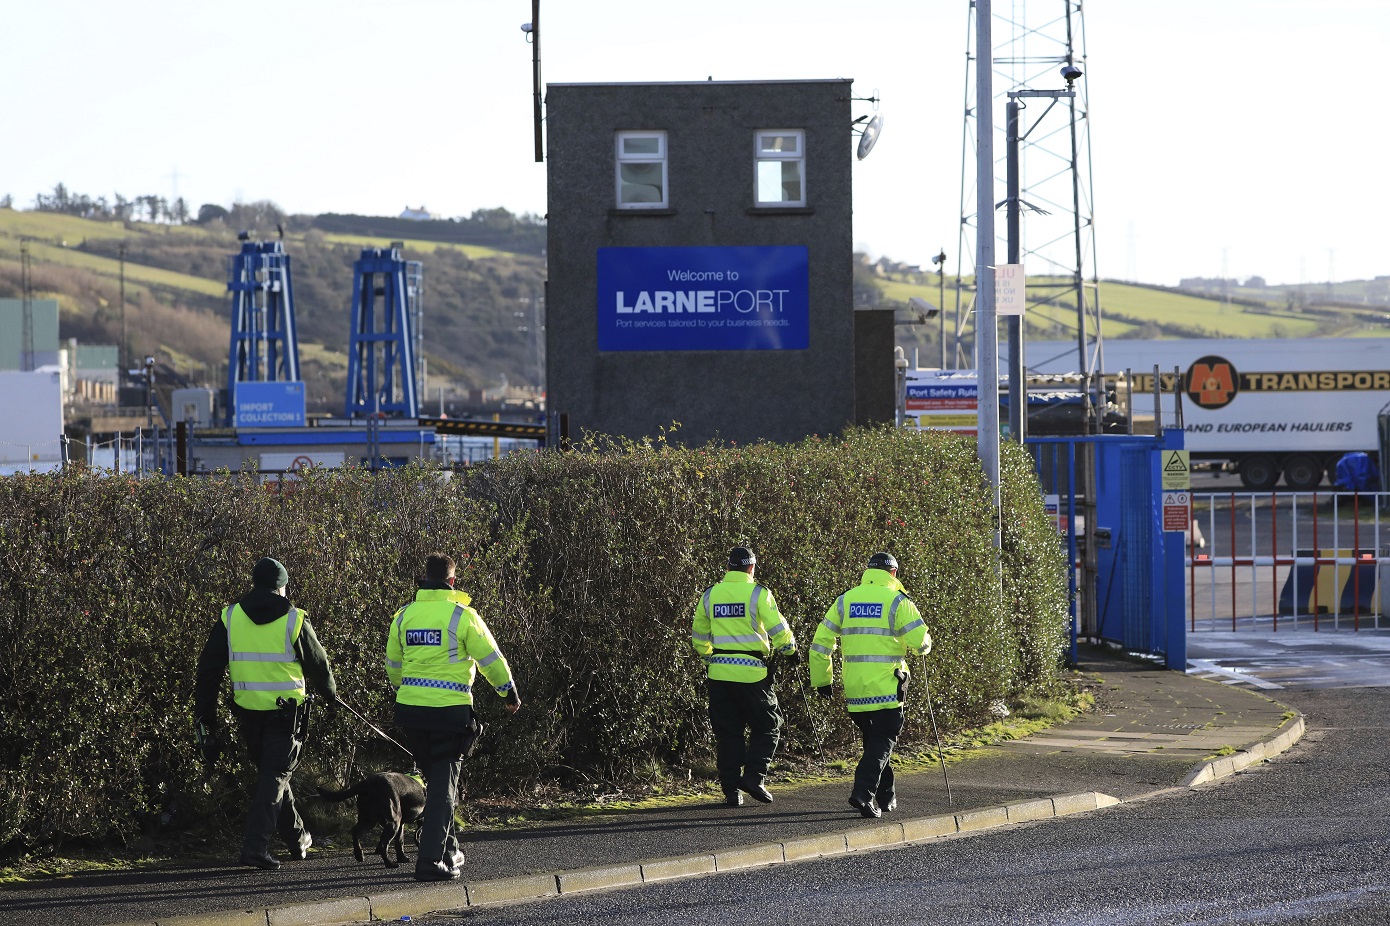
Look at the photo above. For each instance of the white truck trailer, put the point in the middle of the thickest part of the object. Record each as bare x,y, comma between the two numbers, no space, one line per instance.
1267,408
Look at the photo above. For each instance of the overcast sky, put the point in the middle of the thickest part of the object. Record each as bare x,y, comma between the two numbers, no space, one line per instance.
1228,137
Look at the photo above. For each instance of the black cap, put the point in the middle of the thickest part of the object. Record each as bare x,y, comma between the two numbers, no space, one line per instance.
741,558
883,561
269,574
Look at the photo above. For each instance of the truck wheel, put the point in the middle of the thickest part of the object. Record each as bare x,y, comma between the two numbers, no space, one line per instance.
1259,472
1302,472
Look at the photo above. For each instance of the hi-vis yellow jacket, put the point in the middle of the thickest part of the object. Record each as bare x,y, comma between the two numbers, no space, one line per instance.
877,626
262,660
736,626
434,648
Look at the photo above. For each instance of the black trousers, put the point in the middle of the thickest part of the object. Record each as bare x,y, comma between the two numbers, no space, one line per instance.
874,774
274,747
747,723
439,755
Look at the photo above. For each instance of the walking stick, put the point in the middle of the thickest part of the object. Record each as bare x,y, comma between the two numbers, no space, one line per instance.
375,729
810,712
940,753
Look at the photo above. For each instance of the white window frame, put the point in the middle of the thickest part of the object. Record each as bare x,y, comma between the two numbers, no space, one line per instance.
622,159
760,157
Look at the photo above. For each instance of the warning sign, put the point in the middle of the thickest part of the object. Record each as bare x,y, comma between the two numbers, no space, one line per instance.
1177,511
1175,469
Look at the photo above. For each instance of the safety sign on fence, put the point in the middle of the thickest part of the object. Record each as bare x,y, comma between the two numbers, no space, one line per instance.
1175,468
1177,510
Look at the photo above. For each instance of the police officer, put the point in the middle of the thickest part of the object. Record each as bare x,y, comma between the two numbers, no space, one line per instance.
737,629
877,626
272,651
433,650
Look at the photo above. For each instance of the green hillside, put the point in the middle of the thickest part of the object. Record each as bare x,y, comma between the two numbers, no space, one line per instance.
1128,310
480,276
177,309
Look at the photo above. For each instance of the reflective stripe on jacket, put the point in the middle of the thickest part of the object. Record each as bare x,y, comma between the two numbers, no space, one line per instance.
876,627
736,626
435,647
261,658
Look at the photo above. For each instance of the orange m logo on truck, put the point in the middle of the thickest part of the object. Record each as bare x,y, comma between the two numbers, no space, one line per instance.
1212,382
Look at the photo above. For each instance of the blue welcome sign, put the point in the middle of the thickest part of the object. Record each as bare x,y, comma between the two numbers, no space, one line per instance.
716,298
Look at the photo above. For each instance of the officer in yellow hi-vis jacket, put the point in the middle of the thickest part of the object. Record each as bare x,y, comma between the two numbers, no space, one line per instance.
877,626
273,652
737,629
433,650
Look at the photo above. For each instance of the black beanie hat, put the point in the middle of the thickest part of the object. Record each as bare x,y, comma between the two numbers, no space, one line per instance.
269,574
741,558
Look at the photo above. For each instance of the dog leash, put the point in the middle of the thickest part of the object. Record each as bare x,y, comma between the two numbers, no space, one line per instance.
375,729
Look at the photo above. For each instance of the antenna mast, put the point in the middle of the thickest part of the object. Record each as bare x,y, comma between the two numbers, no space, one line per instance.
1033,41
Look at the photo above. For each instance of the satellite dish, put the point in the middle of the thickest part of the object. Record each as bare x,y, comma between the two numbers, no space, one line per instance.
869,137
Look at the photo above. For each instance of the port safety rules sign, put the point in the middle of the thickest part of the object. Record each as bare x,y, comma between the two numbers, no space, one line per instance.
710,298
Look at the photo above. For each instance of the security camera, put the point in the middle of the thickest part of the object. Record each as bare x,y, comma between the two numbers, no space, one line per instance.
1071,73
922,307
526,27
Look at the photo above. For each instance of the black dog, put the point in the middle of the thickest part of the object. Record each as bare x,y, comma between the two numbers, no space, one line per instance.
386,799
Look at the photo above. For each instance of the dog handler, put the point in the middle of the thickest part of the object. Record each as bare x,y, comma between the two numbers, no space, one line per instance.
434,647
272,651
736,629
876,625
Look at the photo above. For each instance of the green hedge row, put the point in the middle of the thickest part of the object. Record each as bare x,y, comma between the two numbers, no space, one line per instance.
585,564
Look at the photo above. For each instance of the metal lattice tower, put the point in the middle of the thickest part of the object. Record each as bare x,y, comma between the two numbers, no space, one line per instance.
383,374
264,345
1032,41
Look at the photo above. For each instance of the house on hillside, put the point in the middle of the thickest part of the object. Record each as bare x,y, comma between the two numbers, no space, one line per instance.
416,215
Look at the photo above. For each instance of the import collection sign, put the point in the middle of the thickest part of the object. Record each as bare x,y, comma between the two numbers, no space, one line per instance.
269,405
704,298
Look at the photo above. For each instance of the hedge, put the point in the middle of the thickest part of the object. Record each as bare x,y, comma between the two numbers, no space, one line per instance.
586,565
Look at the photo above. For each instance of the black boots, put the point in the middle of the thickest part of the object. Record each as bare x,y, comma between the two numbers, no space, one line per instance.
435,871
753,784
866,806
262,860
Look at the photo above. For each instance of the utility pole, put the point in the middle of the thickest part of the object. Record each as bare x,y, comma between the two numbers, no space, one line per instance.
123,351
26,285
987,332
1018,393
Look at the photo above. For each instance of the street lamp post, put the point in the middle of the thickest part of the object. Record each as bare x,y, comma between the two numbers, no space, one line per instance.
940,261
1017,390
149,392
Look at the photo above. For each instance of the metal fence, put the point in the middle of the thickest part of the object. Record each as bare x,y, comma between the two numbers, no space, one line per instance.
1291,560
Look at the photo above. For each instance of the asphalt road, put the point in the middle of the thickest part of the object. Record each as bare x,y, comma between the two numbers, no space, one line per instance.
1303,839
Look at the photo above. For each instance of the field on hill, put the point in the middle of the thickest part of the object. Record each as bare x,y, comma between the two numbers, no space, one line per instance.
177,308
1127,311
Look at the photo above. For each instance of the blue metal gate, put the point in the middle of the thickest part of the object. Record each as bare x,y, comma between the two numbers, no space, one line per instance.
1127,572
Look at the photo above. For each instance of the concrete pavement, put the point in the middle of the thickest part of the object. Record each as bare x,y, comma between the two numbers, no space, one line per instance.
1153,730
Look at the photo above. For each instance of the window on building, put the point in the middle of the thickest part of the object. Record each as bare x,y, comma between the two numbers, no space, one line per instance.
641,170
780,168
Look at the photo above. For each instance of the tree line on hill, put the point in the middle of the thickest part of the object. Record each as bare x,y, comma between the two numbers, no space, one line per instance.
494,228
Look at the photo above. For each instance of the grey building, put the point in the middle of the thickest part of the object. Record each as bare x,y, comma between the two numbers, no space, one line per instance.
700,263
42,331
